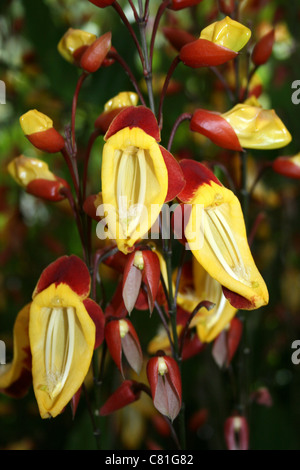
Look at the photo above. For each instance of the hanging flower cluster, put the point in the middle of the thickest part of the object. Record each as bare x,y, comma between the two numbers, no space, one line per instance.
171,233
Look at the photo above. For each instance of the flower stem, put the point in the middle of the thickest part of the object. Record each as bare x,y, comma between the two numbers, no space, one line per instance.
146,64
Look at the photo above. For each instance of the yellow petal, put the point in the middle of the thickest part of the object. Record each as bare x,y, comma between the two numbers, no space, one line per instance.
257,128
24,170
210,323
227,33
134,185
217,237
62,338
33,121
124,98
73,40
11,373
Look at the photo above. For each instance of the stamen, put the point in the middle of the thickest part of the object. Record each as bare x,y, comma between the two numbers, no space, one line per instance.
49,338
138,208
238,270
71,343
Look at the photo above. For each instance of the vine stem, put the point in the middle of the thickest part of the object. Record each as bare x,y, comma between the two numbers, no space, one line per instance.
158,16
79,84
146,64
123,17
171,70
183,117
128,71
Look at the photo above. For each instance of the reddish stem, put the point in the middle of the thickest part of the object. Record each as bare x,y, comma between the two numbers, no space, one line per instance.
74,108
92,139
159,14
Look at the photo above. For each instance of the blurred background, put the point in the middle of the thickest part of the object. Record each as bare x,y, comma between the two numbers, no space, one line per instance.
34,233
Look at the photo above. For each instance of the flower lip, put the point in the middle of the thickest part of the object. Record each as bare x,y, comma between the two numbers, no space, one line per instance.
135,117
69,270
196,174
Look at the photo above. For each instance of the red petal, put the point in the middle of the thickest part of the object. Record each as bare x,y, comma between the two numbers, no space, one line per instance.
263,49
176,181
196,174
151,276
93,57
220,350
152,374
177,37
135,116
116,307
204,53
89,207
132,280
113,340
126,394
237,300
75,402
216,128
95,312
105,119
69,270
49,141
180,4
192,346
174,373
179,221
198,419
227,6
48,190
234,335
132,348
284,166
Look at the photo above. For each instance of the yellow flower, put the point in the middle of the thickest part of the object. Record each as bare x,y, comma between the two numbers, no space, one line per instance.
122,99
216,234
62,338
62,333
257,128
15,378
227,33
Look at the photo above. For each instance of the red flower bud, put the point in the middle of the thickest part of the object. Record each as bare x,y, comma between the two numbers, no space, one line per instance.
226,344
126,394
48,190
216,128
262,396
95,54
121,337
204,53
102,3
180,4
236,433
39,130
263,49
288,166
165,383
227,6
141,266
177,37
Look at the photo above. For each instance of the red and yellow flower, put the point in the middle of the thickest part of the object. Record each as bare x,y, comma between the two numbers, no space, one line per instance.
218,43
34,176
135,176
216,235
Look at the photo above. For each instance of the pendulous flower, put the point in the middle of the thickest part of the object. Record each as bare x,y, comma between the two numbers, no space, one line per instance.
218,43
35,177
217,237
135,176
113,107
288,166
84,49
64,328
165,383
39,130
246,125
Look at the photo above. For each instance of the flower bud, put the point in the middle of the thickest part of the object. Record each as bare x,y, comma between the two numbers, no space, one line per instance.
288,166
263,49
94,55
102,3
180,4
113,107
165,383
35,177
126,394
39,130
74,43
121,338
236,433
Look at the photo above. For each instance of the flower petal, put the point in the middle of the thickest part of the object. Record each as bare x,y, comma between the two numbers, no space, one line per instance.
69,270
135,116
204,53
62,339
176,180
